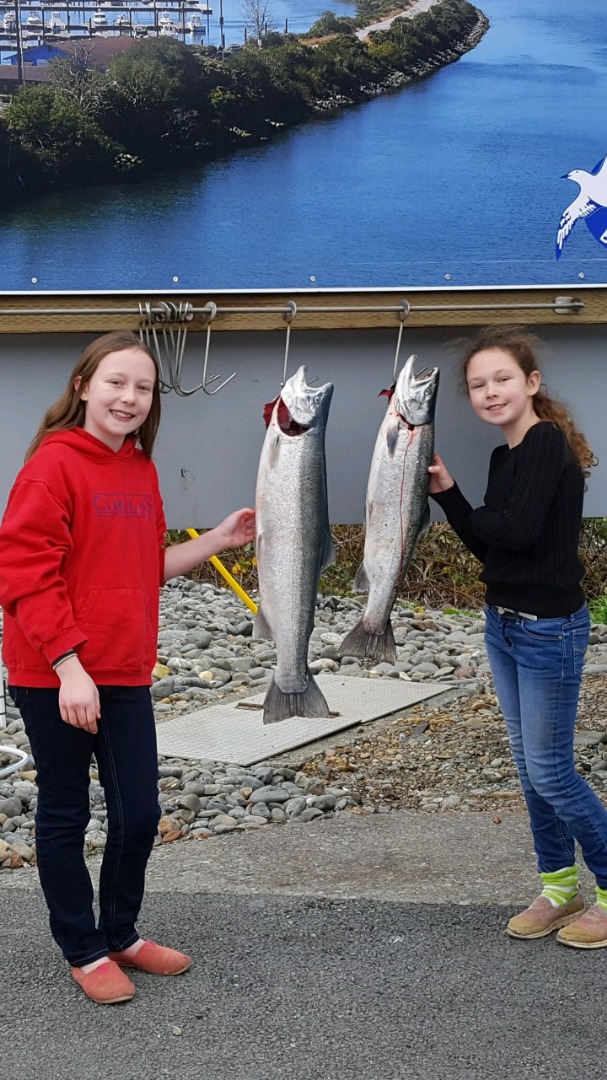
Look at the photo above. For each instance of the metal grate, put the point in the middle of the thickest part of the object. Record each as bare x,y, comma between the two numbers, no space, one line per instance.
236,734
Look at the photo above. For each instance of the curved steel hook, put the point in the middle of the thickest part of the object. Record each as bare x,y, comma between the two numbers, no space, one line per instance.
147,334
207,382
289,316
403,314
183,314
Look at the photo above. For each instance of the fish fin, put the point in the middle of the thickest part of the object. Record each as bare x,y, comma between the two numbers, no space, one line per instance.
268,409
279,705
425,522
392,437
261,626
361,581
359,642
328,554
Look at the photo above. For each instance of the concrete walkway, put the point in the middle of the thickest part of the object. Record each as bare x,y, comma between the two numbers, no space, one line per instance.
385,24
357,948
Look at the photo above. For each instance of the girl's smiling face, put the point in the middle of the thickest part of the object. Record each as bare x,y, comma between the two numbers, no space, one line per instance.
500,392
118,396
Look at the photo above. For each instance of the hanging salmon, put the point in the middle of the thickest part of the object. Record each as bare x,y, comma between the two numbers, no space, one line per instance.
397,510
293,543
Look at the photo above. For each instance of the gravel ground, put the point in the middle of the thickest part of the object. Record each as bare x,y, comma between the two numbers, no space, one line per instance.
453,755
449,754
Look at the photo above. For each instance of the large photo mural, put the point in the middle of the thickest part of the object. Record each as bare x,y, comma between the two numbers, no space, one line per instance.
273,144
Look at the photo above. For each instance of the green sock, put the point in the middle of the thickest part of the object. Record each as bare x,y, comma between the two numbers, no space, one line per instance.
562,885
601,898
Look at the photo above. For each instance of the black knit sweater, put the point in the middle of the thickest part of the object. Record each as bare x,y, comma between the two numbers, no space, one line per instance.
527,533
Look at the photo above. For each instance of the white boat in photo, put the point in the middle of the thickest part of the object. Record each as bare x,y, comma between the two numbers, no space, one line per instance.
55,25
194,25
168,31
122,20
35,21
165,19
9,23
99,18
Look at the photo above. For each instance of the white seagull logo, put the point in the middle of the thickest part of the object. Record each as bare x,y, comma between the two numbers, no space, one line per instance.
592,195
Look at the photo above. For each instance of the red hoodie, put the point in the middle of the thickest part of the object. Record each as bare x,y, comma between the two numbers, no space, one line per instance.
81,562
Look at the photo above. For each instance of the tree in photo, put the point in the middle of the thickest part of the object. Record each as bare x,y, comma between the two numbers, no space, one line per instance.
259,18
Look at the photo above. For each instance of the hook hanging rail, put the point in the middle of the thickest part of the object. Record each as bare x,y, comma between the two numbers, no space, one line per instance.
165,321
560,304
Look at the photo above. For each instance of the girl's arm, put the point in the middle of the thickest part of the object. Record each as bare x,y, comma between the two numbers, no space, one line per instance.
457,509
78,696
34,541
541,458
235,531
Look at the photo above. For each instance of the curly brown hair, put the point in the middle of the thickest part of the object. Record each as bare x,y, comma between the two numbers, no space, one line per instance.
69,411
524,348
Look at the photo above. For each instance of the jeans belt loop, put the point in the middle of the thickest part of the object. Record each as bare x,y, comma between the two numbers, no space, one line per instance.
511,611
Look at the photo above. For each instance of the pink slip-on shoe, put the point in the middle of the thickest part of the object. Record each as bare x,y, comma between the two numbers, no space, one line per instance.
541,917
106,984
155,959
587,932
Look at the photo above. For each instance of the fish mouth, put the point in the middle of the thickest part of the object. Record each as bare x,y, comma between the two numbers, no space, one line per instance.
306,406
415,394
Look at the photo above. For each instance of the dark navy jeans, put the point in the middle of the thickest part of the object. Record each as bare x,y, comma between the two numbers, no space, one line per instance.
537,669
126,755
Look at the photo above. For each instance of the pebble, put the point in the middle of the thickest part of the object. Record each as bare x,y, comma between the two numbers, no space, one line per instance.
207,651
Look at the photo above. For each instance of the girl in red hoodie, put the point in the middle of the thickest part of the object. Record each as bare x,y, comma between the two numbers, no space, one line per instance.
82,559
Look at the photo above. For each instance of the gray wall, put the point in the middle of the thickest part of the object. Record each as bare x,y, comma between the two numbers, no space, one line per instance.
208,447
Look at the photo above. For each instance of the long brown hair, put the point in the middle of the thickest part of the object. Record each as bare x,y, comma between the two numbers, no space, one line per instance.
70,410
524,347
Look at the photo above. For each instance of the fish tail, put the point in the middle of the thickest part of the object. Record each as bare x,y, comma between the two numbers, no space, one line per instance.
261,626
359,642
279,705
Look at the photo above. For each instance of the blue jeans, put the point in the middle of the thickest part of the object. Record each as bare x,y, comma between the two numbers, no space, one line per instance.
126,755
537,670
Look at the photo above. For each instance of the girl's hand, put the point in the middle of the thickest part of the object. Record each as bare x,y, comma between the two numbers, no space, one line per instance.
440,479
236,530
78,696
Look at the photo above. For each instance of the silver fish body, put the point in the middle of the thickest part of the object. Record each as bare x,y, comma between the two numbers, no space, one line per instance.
293,543
396,508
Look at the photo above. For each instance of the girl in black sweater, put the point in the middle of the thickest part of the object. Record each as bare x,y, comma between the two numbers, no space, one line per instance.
537,624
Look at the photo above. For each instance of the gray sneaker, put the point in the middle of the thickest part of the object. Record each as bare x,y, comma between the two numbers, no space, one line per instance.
541,917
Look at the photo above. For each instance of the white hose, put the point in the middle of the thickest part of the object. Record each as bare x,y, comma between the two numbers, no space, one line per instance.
22,759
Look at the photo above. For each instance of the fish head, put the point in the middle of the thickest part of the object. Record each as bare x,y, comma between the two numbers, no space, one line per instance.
307,406
414,397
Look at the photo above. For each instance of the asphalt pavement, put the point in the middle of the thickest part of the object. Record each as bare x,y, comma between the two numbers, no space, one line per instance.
358,948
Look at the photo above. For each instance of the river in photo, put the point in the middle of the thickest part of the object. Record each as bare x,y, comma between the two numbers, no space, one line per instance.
455,180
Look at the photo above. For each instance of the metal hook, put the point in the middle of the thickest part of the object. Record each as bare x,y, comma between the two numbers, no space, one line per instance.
403,314
183,314
207,382
147,334
289,316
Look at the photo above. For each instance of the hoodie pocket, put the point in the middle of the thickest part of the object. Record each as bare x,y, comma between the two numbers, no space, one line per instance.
118,629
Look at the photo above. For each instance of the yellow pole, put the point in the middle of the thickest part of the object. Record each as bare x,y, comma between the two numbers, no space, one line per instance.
225,573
